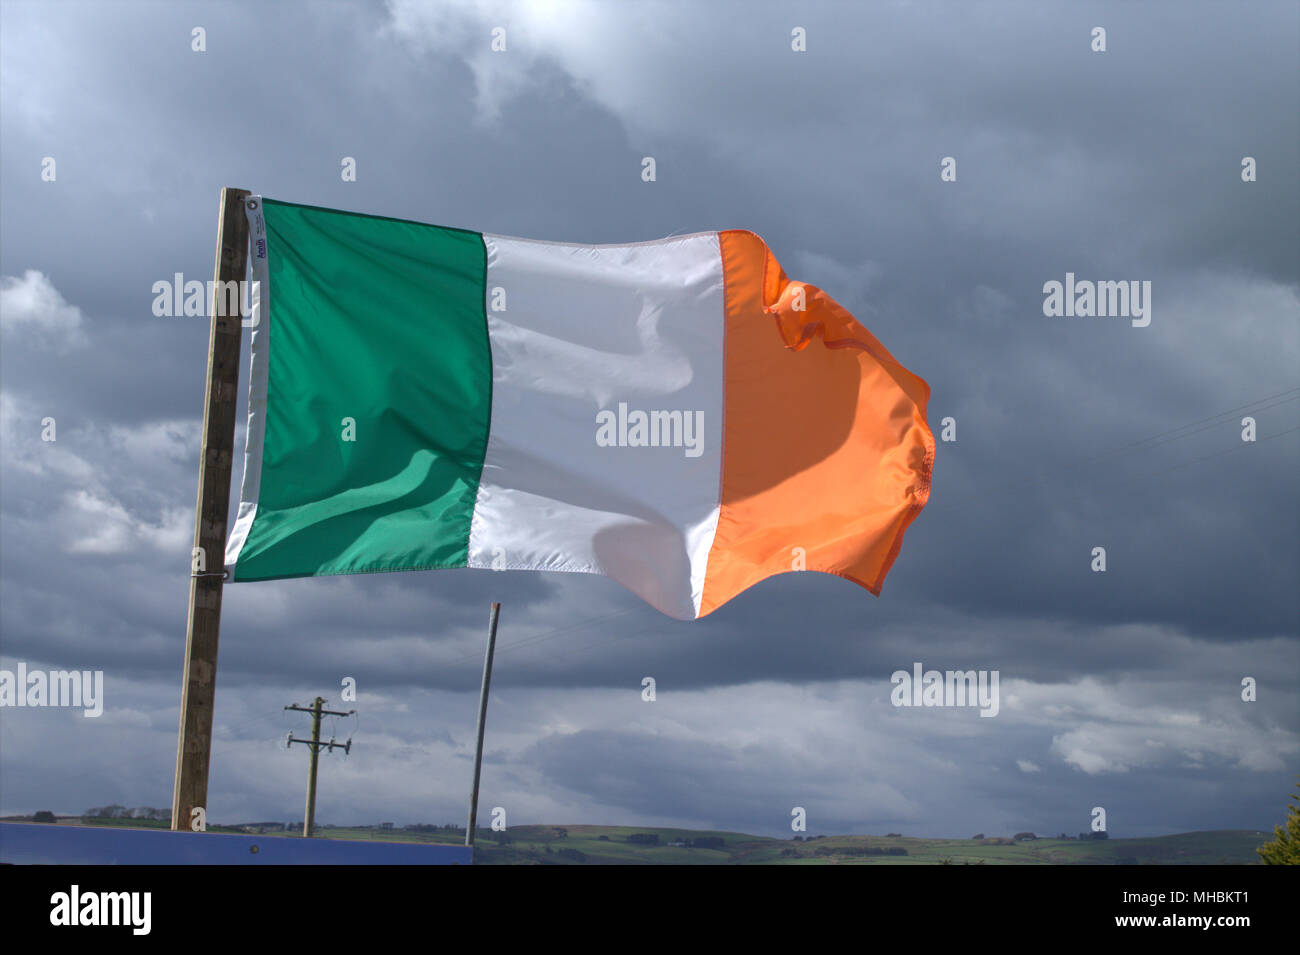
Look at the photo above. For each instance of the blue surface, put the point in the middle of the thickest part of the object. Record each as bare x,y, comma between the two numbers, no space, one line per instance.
36,844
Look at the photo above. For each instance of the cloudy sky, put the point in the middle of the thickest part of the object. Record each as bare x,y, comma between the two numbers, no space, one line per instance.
1120,689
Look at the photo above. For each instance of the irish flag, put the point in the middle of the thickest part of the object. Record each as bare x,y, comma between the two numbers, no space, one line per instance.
677,415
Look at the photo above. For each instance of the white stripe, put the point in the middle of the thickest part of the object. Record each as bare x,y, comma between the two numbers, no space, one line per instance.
584,329
261,297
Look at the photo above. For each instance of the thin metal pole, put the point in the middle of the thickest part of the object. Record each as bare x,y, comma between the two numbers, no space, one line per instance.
482,721
310,822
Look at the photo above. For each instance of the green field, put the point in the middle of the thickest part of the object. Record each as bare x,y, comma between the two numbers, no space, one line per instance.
546,846
610,845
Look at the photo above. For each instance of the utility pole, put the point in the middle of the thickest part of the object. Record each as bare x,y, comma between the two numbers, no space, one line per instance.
316,712
482,721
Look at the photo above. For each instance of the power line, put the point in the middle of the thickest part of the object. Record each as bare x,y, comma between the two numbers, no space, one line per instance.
1217,454
657,625
1227,417
1152,441
1293,394
1213,420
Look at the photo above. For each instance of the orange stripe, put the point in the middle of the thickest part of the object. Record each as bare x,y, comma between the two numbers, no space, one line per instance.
825,442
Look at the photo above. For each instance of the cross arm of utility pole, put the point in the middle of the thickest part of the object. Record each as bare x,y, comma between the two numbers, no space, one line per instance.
309,709
331,745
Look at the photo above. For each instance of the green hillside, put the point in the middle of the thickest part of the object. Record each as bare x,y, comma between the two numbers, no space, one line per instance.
635,845
609,845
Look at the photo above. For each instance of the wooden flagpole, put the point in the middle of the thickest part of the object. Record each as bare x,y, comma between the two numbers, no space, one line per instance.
193,745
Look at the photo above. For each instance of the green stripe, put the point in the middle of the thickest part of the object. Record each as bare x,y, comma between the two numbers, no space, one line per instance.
382,321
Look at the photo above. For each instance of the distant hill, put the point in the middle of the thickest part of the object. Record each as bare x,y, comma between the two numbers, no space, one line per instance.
639,845
619,845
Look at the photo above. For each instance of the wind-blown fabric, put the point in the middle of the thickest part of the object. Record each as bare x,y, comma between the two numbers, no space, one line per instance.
676,415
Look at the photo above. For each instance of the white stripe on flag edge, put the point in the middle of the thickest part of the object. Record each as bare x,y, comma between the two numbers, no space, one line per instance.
257,383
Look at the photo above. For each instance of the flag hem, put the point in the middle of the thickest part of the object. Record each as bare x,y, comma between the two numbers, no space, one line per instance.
258,375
